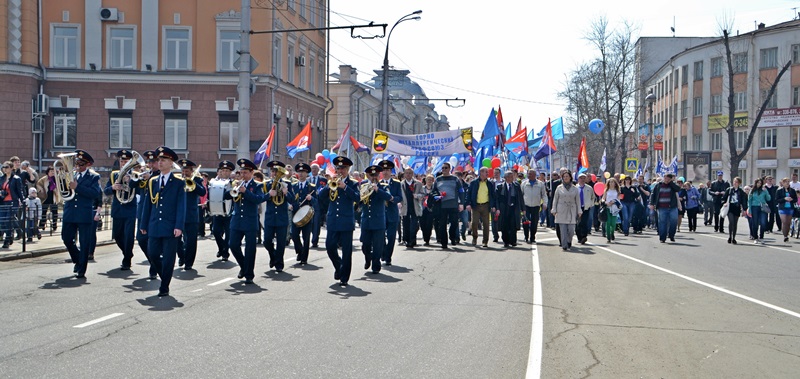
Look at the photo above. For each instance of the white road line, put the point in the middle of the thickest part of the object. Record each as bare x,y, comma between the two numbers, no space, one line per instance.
702,283
534,370
548,239
218,282
101,319
751,244
197,290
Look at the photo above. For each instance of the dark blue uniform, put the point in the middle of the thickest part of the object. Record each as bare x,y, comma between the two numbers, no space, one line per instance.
301,190
341,222
123,221
276,223
373,226
144,201
164,212
79,219
244,224
187,251
392,217
319,182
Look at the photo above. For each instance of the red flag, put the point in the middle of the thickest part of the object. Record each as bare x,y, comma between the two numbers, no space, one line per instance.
300,143
501,138
342,138
583,158
358,145
519,125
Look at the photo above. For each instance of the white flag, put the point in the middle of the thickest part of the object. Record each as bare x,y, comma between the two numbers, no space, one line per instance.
603,161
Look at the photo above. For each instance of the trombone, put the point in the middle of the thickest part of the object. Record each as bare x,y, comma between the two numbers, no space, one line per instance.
190,184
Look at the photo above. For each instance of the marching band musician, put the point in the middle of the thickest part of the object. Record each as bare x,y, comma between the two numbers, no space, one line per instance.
392,209
373,219
305,192
164,217
244,220
123,216
143,192
278,197
79,214
319,181
221,225
341,219
412,207
187,250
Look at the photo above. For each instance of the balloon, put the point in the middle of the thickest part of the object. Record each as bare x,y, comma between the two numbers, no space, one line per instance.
606,175
318,155
496,162
326,153
320,160
622,177
453,162
594,178
596,126
599,188
332,156
487,162
516,167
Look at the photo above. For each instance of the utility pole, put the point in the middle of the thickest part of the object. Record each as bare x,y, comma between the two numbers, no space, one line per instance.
243,148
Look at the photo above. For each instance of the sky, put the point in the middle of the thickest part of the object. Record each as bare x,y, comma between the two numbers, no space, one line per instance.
516,54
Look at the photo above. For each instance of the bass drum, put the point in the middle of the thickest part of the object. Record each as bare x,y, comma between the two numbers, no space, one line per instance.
303,216
217,205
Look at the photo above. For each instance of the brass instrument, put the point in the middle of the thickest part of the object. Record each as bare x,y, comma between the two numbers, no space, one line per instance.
127,194
366,191
235,190
333,184
277,185
65,174
190,184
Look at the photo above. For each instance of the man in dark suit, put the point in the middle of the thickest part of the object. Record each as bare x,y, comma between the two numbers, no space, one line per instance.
373,219
412,207
10,194
244,220
481,201
392,209
278,197
305,194
320,209
509,206
164,218
78,220
187,250
341,219
143,191
123,216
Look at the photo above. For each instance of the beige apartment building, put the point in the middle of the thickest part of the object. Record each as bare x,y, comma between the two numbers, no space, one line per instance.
137,74
690,88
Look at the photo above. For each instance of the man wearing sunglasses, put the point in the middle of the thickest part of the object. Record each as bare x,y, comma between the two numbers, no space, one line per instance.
78,221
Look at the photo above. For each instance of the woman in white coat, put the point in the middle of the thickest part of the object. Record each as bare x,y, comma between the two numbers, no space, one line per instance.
566,209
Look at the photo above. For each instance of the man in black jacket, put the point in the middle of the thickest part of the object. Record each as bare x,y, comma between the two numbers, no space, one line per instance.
772,218
509,206
718,189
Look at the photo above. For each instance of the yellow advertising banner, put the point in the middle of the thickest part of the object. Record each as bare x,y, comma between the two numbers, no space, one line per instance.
720,121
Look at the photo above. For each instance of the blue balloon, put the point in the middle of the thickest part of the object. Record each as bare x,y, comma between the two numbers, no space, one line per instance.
326,153
333,156
596,126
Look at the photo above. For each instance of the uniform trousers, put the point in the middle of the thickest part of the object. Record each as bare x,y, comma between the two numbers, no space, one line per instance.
222,234
391,236
187,249
301,246
82,232
342,264
162,251
275,252
246,261
143,241
372,245
123,230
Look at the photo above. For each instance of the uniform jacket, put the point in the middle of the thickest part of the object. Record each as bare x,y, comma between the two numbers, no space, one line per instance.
472,194
278,215
392,210
502,202
300,195
341,213
192,201
80,209
165,208
373,213
144,195
245,215
416,197
566,204
119,210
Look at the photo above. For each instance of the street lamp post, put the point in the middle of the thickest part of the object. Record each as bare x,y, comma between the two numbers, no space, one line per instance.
384,85
650,99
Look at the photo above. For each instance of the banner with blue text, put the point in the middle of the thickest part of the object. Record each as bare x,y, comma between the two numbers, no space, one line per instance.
436,144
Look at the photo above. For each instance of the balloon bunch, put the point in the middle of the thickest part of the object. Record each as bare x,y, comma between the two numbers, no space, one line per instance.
324,158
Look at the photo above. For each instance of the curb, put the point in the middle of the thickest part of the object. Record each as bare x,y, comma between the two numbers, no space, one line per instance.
43,252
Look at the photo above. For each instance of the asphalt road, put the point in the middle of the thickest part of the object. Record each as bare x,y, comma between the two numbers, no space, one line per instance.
633,309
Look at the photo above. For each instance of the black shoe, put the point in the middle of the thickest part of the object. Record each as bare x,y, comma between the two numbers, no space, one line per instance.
388,263
271,263
722,231
427,243
241,274
485,245
75,269
163,293
336,276
729,240
671,239
495,240
188,268
279,270
6,245
80,276
367,264
30,239
343,284
734,242
663,241
314,246
248,281
225,259
785,239
219,254
180,262
124,268
91,257
463,236
153,277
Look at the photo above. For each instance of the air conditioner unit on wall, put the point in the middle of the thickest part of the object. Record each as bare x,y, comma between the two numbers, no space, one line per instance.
300,61
41,106
109,14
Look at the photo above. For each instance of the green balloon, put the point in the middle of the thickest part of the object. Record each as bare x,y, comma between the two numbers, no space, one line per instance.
487,162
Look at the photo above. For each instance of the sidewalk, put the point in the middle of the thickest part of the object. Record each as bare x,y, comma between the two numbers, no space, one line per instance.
45,246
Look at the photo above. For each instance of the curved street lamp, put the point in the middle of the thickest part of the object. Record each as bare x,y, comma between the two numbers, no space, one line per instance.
385,74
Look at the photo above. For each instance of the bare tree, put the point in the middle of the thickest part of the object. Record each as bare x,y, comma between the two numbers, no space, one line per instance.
738,156
604,88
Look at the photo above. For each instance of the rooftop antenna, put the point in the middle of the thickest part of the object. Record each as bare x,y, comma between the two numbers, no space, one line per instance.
673,26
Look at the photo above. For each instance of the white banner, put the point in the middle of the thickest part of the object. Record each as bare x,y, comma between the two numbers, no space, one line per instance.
436,144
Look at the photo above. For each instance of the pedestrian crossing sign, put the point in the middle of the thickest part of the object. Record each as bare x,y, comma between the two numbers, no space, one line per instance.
631,164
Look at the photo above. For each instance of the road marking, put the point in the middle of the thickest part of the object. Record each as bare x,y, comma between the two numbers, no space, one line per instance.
548,239
198,290
218,282
101,319
702,283
751,244
534,370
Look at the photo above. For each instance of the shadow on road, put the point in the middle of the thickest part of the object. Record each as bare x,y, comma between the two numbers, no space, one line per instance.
186,274
307,267
160,304
280,276
397,269
143,284
581,250
379,278
347,292
116,273
242,288
220,265
65,282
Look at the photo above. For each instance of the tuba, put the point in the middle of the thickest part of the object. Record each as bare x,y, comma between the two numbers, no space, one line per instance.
126,195
277,185
64,174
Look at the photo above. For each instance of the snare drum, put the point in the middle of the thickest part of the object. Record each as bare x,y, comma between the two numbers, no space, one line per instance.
303,216
217,205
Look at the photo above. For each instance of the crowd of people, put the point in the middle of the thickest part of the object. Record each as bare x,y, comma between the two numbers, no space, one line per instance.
166,205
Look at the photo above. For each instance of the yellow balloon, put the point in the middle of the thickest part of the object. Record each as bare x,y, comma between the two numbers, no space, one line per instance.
622,177
606,175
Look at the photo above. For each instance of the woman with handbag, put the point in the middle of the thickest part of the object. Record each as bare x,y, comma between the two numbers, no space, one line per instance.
786,198
758,208
732,201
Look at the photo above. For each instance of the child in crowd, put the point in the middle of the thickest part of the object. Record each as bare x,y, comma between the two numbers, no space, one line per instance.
34,209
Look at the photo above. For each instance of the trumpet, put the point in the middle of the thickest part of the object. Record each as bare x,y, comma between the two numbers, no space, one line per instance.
190,184
333,184
235,190
126,195
65,174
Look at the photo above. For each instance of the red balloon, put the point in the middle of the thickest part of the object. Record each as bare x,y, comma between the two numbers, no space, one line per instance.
320,160
516,167
599,188
594,178
496,162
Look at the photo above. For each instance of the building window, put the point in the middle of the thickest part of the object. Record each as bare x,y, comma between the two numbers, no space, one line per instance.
685,74
773,100
739,63
795,136
311,74
228,45
312,13
716,104
290,64
65,47
697,106
302,5
796,96
741,138
119,132
764,172
697,142
698,70
716,67
716,141
769,58
684,109
796,54
740,99
290,4
769,138
321,81
321,13
65,130
122,48
276,58
683,143
177,49
175,131
228,132
302,76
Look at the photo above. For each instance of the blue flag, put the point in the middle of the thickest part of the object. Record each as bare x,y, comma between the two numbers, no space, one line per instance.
490,130
558,129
